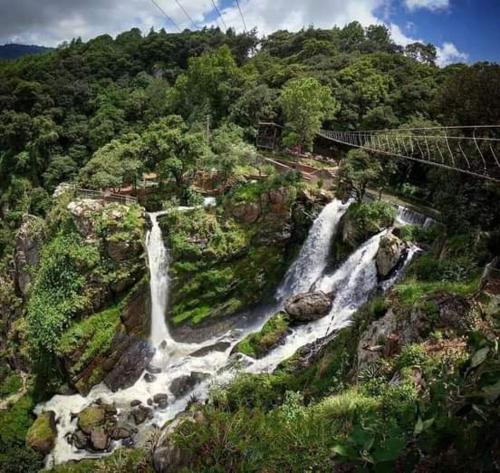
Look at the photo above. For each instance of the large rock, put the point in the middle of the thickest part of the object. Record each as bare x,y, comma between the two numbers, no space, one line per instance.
130,366
90,418
99,439
29,240
246,212
308,306
389,254
83,213
185,384
42,434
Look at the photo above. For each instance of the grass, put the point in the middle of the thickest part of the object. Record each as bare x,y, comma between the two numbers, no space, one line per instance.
15,422
10,385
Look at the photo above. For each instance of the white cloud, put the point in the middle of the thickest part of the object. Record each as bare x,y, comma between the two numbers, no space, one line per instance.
53,21
433,5
449,54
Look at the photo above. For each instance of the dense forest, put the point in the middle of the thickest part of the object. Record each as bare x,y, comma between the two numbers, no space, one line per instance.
74,283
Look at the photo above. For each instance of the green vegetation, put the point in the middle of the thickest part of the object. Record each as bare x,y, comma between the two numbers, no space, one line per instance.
10,385
258,344
93,334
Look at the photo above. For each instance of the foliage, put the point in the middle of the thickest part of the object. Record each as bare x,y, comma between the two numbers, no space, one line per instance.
10,385
306,104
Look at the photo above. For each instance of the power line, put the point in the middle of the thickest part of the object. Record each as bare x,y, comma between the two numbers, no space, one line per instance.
242,17
218,12
165,14
187,14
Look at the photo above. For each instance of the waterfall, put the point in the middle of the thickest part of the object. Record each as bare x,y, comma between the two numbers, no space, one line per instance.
352,284
159,280
406,216
313,257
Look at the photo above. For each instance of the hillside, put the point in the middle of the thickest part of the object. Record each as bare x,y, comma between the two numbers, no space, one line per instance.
174,299
14,51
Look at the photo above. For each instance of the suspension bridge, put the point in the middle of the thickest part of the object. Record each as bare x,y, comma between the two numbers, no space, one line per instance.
473,150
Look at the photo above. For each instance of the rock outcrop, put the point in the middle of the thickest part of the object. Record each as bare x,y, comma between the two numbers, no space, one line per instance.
84,213
29,240
42,434
308,306
185,384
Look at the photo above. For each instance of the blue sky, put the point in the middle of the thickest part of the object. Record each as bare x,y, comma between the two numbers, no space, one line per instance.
473,26
462,30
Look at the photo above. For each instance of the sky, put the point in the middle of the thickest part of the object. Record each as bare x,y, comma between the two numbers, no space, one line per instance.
462,30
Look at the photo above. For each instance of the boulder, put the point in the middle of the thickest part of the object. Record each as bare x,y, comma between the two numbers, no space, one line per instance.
308,306
170,459
390,251
80,440
135,403
149,378
42,434
99,439
246,212
140,414
130,366
90,418
153,369
122,431
185,384
161,399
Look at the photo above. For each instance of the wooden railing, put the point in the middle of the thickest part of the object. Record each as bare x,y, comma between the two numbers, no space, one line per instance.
105,196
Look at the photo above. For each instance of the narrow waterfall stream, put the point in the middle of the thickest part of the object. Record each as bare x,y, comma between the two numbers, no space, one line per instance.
352,282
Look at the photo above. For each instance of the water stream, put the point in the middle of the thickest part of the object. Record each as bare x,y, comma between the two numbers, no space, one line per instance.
352,283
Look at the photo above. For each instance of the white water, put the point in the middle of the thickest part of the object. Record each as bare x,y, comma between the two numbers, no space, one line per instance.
406,216
352,283
158,280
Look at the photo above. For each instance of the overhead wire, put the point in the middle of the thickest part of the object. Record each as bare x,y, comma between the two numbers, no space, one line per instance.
188,16
219,13
242,17
169,18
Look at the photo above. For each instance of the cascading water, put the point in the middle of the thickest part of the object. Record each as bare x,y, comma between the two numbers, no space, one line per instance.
313,257
352,284
159,279
406,216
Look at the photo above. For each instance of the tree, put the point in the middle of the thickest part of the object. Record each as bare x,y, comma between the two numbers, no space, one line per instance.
358,171
114,165
305,103
425,53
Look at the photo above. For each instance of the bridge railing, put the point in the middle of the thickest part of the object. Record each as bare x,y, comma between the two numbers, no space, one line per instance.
472,150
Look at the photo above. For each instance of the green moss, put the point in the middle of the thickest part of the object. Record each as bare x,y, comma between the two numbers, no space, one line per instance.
258,344
15,422
94,334
91,417
369,218
10,385
41,431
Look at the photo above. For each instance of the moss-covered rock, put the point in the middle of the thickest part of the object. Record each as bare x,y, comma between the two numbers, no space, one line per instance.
42,434
91,417
270,335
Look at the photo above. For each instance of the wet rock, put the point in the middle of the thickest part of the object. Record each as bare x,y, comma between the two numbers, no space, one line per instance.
153,369
389,254
308,306
79,440
135,316
99,439
90,418
185,384
122,431
149,402
161,399
135,403
149,378
220,346
140,414
130,366
42,434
